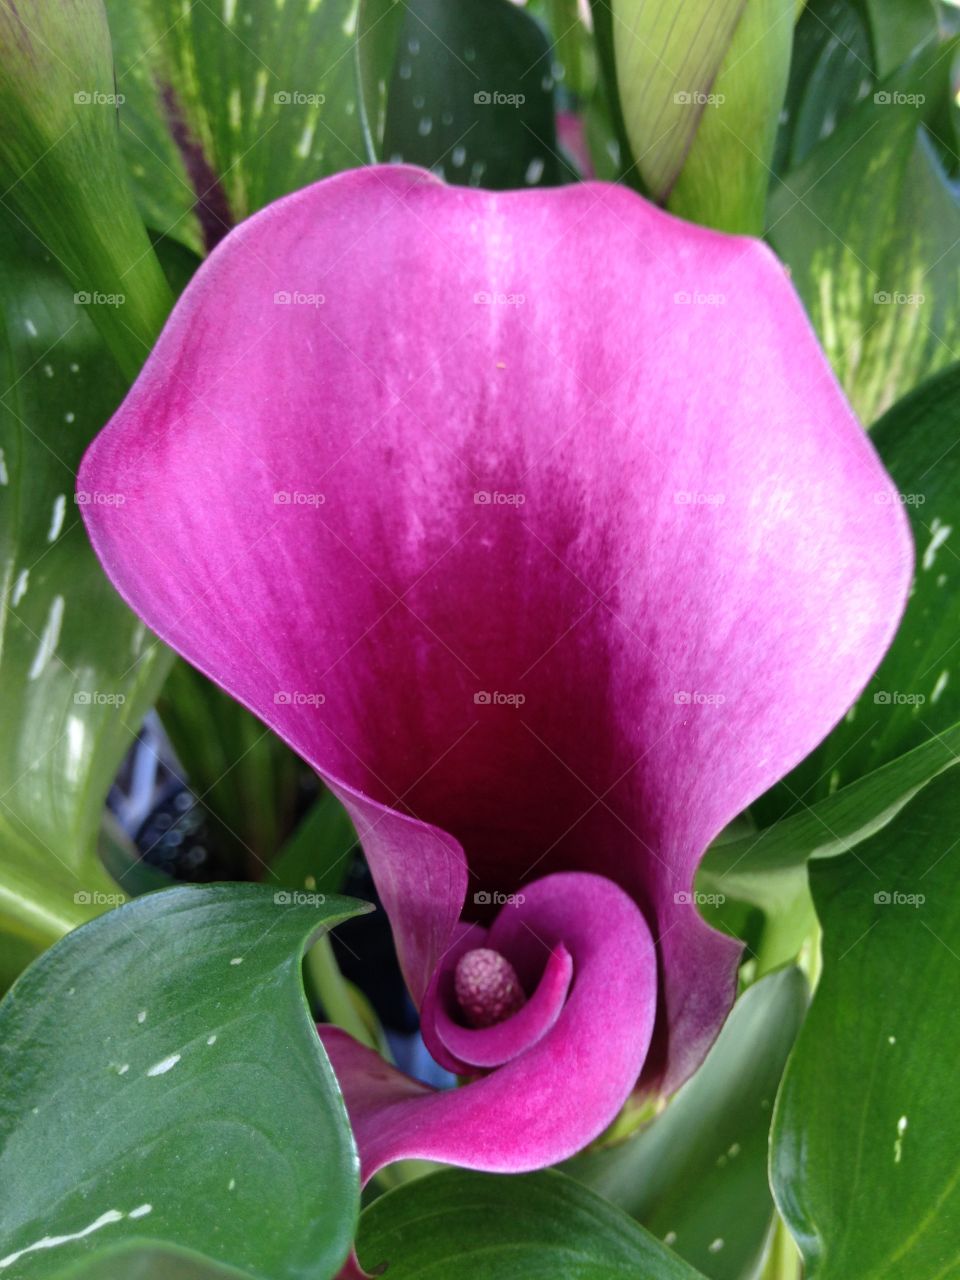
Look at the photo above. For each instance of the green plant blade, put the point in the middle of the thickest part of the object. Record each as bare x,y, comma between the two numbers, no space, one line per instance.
726,173
697,1176
77,669
61,170
866,1139
164,1056
230,106
532,1227
701,86
871,233
244,776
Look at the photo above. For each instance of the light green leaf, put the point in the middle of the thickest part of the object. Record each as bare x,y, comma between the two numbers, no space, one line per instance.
77,669
726,173
866,1139
61,171
164,1083
537,1226
697,1175
701,86
871,233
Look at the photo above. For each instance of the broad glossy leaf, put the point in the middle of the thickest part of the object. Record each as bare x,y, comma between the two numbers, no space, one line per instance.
471,95
164,1083
77,669
746,868
701,87
871,233
61,172
537,1226
231,105
866,1139
915,694
697,1176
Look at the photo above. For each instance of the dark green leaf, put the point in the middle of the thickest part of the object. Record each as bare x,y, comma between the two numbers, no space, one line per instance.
899,30
538,1226
78,670
246,778
866,1141
697,1176
164,1056
471,95
831,70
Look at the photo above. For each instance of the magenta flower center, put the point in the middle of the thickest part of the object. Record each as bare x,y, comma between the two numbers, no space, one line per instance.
487,987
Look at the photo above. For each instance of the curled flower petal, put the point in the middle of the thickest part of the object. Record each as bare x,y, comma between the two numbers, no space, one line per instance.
530,1111
537,523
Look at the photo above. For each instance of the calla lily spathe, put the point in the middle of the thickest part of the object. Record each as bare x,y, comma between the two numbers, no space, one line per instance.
536,522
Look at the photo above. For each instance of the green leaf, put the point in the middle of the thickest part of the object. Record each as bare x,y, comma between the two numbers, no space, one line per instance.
866,1139
230,106
378,35
726,173
698,1174
537,1226
77,669
701,86
61,171
471,95
164,1056
316,855
749,867
915,694
899,30
871,233
831,70
137,1262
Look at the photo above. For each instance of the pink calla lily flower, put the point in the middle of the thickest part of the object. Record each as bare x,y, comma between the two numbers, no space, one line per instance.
537,523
